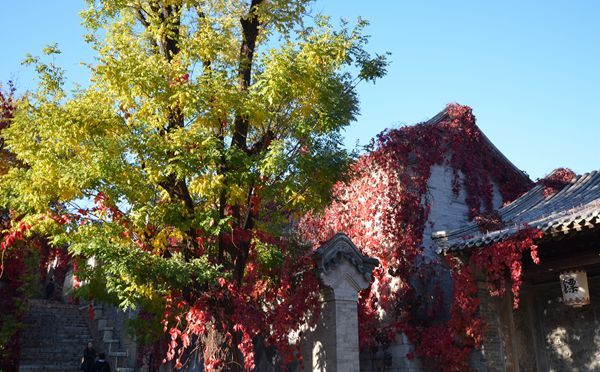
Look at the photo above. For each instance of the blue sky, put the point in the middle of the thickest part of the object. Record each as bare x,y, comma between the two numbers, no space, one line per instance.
529,69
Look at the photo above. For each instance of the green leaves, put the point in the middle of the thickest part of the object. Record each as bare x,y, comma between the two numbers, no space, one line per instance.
133,274
206,124
51,49
269,256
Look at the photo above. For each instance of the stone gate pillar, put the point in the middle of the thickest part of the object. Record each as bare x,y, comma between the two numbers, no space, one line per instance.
344,271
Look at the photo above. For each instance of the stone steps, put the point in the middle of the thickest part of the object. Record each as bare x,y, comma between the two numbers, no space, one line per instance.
109,337
55,334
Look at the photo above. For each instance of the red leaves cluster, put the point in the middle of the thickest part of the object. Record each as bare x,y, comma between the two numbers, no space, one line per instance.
498,259
13,235
556,181
489,221
7,105
8,239
180,80
448,344
237,314
14,261
384,209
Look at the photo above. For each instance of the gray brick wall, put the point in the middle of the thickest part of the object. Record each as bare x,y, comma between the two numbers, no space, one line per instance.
492,353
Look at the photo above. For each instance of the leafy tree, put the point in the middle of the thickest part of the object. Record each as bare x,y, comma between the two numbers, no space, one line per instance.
208,127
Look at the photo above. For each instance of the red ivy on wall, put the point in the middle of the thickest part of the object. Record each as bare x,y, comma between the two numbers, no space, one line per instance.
384,209
449,344
500,258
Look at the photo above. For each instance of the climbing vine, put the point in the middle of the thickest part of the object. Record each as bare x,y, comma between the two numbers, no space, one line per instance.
556,181
498,259
18,278
448,344
287,303
384,210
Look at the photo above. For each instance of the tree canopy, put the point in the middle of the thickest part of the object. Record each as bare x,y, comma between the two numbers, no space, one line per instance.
207,128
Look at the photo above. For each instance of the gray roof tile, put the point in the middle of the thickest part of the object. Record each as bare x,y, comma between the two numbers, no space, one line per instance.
575,207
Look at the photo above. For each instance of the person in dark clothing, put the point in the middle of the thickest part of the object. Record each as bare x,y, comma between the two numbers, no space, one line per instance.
50,289
101,364
89,358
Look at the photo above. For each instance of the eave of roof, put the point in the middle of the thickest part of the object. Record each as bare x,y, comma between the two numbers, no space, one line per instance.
574,208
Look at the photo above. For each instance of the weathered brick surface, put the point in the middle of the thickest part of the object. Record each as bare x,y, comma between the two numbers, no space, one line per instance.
492,351
448,211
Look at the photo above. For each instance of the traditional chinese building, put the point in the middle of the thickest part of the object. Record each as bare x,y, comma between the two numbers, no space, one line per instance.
435,175
557,324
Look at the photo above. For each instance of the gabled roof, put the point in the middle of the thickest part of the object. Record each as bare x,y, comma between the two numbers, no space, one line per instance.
443,117
575,207
455,127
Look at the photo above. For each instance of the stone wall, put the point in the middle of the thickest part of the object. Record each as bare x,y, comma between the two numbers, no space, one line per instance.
543,334
392,360
568,338
448,211
499,350
524,337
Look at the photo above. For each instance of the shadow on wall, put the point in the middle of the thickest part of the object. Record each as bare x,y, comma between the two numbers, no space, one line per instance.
573,343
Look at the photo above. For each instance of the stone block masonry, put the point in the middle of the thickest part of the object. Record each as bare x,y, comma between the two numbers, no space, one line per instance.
54,337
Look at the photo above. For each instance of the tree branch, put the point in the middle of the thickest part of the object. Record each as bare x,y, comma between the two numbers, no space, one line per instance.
250,27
